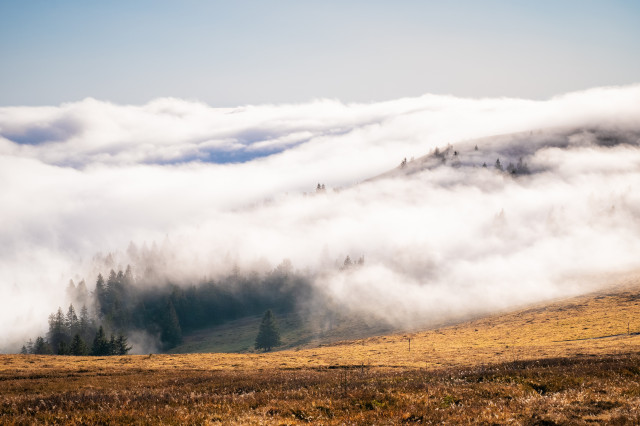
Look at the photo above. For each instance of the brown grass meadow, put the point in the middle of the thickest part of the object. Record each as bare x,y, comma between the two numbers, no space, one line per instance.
575,361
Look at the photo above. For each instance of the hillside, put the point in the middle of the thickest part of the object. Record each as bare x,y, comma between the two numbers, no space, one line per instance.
570,361
297,330
593,323
587,325
514,151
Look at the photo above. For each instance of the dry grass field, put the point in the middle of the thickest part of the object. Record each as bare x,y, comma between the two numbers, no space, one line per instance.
574,361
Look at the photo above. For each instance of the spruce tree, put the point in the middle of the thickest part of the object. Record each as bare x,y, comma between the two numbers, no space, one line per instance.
57,329
112,345
100,345
171,333
86,327
42,347
71,290
63,349
121,346
78,347
82,294
30,346
71,321
268,334
101,294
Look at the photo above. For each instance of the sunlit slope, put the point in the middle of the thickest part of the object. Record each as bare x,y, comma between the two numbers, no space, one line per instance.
593,324
371,381
588,325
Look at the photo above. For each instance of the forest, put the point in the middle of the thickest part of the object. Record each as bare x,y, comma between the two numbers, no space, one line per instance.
121,304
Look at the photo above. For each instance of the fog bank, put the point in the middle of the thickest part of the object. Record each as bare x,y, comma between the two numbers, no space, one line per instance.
441,237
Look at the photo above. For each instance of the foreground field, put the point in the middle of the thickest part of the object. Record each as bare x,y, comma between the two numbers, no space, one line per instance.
573,361
602,389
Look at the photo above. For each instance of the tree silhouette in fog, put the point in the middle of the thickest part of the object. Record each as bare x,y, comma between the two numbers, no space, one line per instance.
268,335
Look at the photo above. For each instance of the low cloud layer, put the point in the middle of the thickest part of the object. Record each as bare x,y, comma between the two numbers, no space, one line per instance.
442,237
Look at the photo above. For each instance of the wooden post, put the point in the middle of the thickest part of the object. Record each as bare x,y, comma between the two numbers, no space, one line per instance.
409,344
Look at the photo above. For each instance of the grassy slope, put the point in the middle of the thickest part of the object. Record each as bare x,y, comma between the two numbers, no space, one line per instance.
596,323
566,362
591,324
239,336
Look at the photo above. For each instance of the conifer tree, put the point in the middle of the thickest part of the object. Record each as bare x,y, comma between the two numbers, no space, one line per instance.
71,321
85,325
57,329
78,347
121,346
63,349
101,293
128,276
71,290
82,294
171,333
100,344
41,347
268,334
29,346
112,345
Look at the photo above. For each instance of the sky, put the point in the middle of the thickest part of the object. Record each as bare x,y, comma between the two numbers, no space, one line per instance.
255,52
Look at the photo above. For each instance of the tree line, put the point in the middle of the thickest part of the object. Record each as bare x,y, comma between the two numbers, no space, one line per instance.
68,335
121,304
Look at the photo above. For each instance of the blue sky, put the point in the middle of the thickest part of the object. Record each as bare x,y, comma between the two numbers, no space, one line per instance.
254,52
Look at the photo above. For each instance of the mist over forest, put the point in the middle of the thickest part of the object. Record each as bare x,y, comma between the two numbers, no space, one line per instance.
455,207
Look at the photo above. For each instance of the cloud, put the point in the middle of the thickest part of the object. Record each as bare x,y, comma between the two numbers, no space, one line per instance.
440,239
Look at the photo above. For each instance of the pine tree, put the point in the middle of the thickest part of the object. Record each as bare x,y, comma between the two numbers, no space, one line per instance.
71,321
57,329
112,345
82,294
171,333
29,346
268,334
71,290
121,346
101,293
100,345
128,276
42,347
521,167
63,349
78,347
111,290
85,325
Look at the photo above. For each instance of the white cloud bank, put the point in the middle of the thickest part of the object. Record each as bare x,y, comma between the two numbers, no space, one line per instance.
438,241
